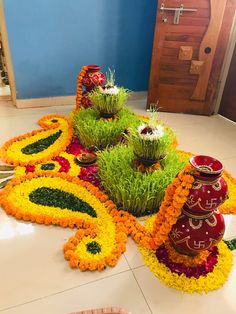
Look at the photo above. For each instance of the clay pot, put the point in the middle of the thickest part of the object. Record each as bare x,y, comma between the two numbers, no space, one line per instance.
148,162
107,115
85,101
93,78
201,226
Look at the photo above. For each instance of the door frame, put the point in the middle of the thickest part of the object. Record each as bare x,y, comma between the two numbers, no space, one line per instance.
7,52
226,65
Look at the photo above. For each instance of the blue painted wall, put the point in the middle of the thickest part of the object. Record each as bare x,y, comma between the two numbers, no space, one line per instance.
51,39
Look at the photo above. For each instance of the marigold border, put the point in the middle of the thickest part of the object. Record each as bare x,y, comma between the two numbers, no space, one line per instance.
42,123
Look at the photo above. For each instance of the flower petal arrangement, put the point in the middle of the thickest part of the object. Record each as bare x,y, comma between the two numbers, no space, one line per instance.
50,187
65,162
193,279
41,145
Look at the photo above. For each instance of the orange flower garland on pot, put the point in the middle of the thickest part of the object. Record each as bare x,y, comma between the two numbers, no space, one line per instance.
171,208
79,86
90,77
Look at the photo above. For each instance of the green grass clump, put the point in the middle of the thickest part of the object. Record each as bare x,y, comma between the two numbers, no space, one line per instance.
101,133
138,193
109,103
150,149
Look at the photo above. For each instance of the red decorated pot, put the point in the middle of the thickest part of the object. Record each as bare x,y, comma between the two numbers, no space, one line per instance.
93,77
191,235
209,189
85,101
201,226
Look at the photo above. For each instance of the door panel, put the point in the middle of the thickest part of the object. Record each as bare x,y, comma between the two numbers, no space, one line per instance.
228,103
184,74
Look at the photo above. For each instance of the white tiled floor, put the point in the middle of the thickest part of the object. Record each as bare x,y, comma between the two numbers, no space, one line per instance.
34,278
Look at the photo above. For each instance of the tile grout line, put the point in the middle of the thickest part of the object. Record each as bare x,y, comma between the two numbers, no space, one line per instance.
142,290
62,291
138,283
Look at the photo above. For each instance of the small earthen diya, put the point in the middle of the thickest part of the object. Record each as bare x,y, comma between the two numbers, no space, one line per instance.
86,159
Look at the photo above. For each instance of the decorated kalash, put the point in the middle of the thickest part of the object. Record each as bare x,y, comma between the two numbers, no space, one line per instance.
101,168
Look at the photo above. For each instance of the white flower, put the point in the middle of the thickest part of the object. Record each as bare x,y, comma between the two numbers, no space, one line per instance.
152,133
111,90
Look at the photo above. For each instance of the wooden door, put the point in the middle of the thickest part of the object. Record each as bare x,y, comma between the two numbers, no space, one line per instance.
228,101
188,53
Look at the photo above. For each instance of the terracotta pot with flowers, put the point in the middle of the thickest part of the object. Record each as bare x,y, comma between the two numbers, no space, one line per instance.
109,99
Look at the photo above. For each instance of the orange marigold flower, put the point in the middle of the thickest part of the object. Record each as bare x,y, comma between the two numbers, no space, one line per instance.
69,254
68,246
74,262
73,240
79,234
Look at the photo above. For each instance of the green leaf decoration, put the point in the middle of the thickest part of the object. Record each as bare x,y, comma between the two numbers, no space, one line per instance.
48,166
231,244
58,198
5,175
41,144
6,168
93,247
4,183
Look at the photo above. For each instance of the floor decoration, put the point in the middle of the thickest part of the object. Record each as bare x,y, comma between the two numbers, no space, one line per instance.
55,177
207,274
40,145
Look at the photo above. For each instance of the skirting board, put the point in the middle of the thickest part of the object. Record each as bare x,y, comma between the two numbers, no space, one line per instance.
62,101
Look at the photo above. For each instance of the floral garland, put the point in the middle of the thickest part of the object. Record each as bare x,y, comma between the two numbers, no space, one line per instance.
170,209
40,145
204,283
79,86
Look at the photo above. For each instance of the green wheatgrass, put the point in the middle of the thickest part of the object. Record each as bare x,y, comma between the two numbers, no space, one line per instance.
94,131
138,193
109,103
148,149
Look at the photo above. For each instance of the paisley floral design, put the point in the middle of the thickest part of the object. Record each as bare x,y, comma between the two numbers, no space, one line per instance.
67,201
41,145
